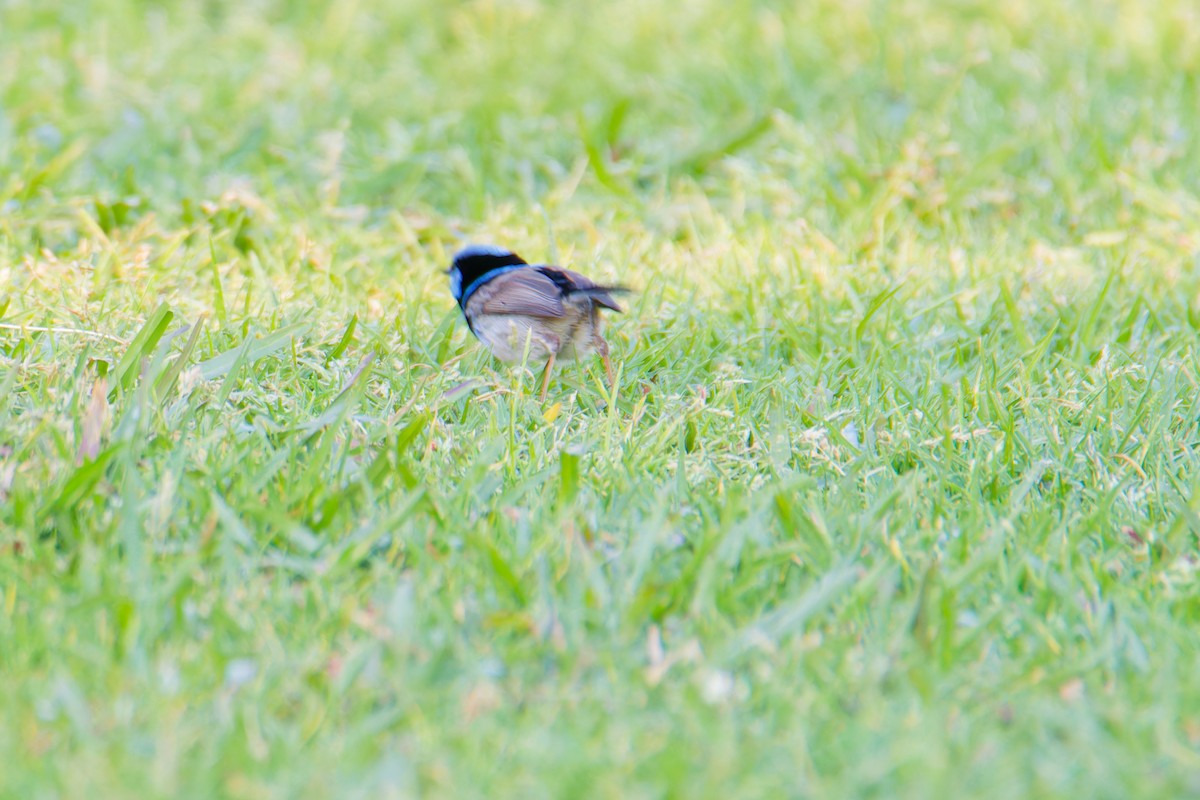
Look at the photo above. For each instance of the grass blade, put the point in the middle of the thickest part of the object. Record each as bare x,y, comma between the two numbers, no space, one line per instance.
141,346
251,350
166,382
345,341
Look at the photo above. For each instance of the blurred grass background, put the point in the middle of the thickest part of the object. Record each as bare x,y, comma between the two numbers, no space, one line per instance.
460,107
899,496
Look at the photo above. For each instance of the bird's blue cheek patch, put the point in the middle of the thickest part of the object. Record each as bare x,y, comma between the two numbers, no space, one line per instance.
456,284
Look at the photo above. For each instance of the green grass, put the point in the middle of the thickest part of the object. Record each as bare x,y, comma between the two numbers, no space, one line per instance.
898,496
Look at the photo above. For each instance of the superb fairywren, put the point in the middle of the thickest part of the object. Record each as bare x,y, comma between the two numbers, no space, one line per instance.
515,307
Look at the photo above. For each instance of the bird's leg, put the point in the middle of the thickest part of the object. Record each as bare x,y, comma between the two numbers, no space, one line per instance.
546,376
602,347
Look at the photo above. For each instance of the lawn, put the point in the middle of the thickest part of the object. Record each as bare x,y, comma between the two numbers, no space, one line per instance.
898,494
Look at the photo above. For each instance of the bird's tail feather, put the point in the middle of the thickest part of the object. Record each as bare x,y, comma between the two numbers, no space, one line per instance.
592,291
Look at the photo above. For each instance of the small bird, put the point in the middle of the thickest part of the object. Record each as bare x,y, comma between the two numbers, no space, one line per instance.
513,306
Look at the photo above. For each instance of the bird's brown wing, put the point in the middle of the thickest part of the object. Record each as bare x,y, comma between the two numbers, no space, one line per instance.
573,283
524,291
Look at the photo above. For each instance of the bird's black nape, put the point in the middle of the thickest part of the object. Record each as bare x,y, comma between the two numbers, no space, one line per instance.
476,260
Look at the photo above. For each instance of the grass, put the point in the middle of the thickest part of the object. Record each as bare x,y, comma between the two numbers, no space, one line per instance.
898,496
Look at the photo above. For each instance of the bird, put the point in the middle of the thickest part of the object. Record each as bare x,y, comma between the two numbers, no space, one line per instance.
537,311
